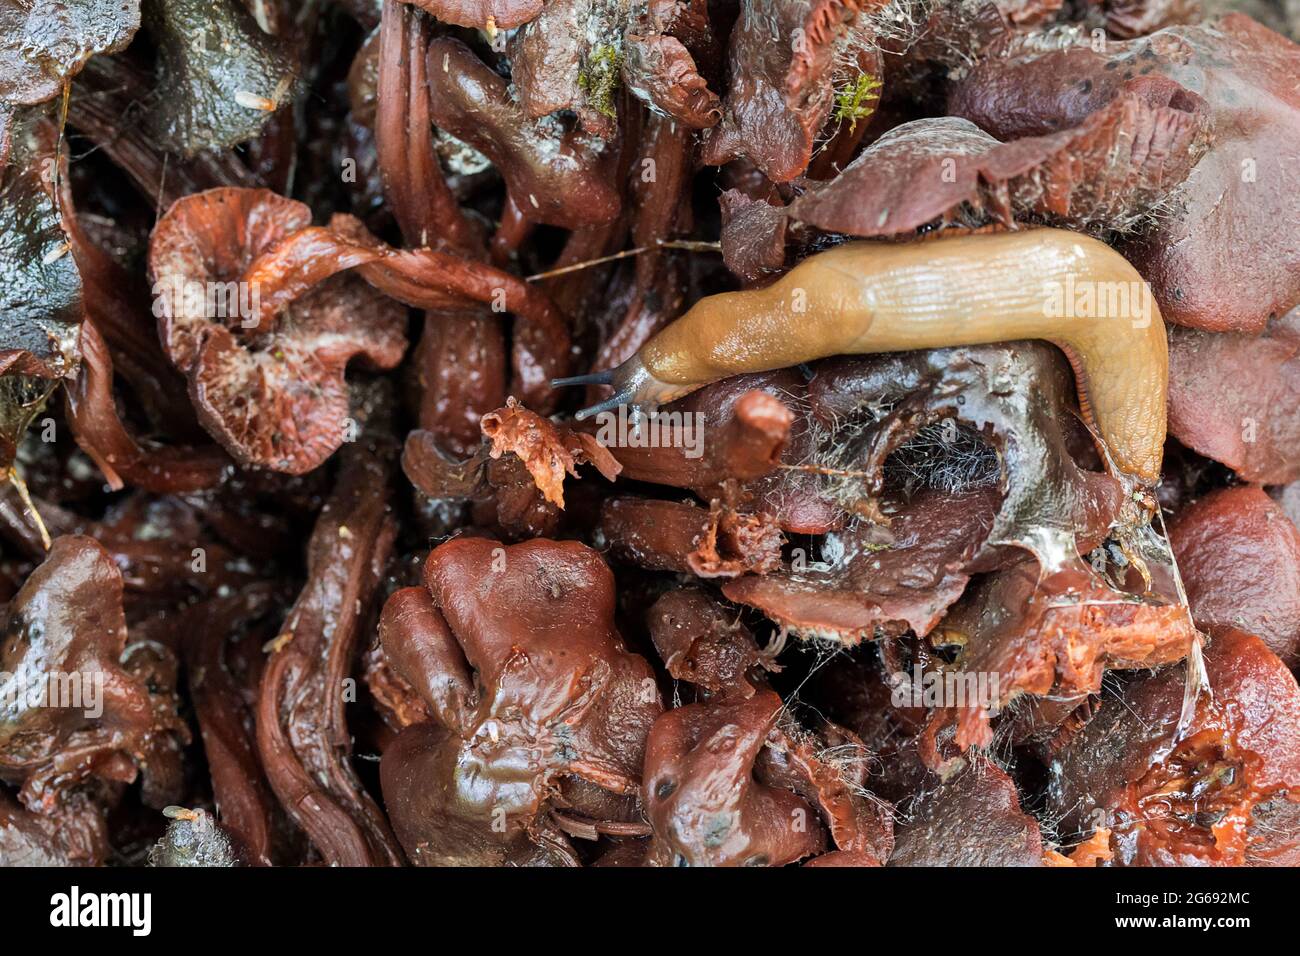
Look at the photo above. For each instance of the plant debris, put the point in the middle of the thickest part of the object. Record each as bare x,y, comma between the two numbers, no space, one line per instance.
827,433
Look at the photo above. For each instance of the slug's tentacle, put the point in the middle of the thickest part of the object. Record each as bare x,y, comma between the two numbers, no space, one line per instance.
633,385
866,297
591,378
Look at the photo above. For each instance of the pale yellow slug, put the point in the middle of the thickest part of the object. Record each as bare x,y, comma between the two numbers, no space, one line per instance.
865,297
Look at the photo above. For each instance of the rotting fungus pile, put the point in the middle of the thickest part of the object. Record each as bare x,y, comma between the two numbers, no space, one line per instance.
650,432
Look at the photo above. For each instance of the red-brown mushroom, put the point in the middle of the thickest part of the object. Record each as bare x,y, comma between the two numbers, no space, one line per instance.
535,702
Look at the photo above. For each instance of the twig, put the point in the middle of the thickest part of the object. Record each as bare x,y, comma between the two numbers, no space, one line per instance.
688,245
11,475
827,470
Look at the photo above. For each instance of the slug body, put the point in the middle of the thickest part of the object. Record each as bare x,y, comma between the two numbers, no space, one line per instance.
866,297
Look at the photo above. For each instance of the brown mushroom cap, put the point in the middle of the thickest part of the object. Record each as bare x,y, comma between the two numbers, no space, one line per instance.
1235,397
1110,171
275,398
703,643
1239,555
702,798
67,622
555,699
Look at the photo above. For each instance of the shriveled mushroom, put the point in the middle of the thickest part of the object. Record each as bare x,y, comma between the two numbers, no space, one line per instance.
1218,794
927,418
535,702
275,397
302,726
702,798
787,60
1026,632
80,707
554,174
1112,171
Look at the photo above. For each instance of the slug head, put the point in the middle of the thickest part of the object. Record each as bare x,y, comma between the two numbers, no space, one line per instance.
633,386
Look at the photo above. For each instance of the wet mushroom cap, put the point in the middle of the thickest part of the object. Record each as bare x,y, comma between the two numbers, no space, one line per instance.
274,396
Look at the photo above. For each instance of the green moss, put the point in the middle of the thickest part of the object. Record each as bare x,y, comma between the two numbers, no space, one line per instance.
599,78
858,100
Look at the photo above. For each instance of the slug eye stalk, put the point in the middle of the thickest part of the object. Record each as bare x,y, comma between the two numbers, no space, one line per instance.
633,385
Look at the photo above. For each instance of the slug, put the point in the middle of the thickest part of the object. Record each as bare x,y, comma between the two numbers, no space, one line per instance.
865,297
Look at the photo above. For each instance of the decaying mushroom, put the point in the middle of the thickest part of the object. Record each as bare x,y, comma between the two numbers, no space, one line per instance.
275,396
46,44
40,292
1230,397
986,463
865,305
500,14
1221,793
705,645
77,837
554,175
302,725
1110,172
222,73
1051,635
703,800
671,51
535,704
974,819
1239,555
84,712
790,64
